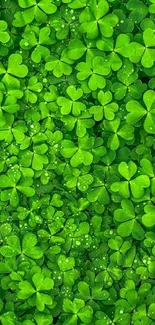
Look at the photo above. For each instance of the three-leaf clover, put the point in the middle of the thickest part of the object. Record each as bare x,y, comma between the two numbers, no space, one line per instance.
34,291
79,155
27,248
137,111
107,109
95,18
13,182
72,104
37,10
128,221
117,131
38,40
136,185
77,310
95,71
59,65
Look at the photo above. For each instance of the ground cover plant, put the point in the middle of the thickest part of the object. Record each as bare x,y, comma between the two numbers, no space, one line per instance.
77,162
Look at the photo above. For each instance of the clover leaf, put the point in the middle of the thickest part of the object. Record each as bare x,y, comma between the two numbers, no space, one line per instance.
40,283
27,248
34,10
137,185
116,131
107,107
137,114
96,18
12,183
32,90
129,225
78,155
78,309
71,105
38,40
58,66
96,70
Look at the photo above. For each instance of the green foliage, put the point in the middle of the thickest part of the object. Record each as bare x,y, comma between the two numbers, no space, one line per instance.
77,163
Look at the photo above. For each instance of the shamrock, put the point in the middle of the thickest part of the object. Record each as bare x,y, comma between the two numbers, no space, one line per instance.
120,248
73,178
95,18
79,155
98,194
126,75
38,157
136,185
109,275
68,105
30,215
96,293
27,248
4,36
30,41
78,310
59,65
137,111
11,183
116,130
33,88
35,10
10,131
107,107
92,294
107,45
95,71
146,53
128,221
33,293
82,121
